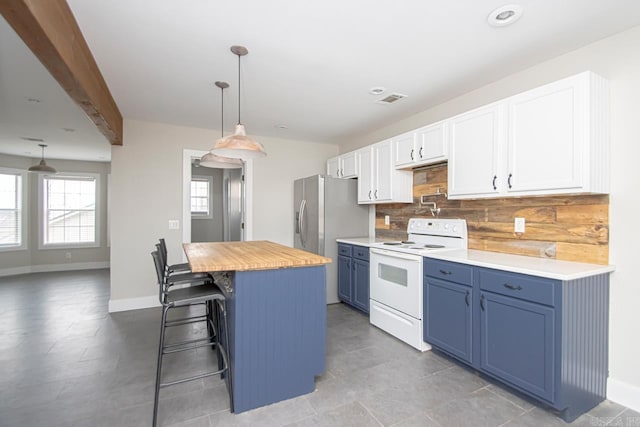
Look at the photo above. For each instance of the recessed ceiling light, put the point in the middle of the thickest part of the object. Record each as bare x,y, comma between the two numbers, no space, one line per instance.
505,15
282,126
68,129
376,90
34,100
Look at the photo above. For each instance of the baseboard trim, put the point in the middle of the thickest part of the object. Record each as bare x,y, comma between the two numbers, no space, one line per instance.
126,304
44,268
625,394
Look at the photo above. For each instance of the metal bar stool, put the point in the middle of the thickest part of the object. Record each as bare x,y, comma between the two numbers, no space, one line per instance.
209,294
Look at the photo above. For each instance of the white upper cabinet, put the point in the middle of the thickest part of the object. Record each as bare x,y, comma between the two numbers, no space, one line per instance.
404,149
378,180
333,167
549,140
476,141
349,165
343,166
422,146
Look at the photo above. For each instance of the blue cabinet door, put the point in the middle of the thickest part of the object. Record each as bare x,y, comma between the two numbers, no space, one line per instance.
517,343
447,316
344,278
361,284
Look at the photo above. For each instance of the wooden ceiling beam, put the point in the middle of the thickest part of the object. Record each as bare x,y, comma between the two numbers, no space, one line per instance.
50,30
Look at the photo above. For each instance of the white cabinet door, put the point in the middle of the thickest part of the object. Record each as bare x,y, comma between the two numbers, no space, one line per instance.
431,143
349,165
333,167
474,152
404,149
383,171
365,176
546,133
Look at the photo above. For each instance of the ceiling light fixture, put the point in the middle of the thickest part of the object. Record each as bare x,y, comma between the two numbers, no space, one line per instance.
211,160
42,167
378,90
505,15
239,145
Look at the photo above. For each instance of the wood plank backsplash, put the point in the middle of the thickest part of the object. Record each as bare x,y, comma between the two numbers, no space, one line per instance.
568,227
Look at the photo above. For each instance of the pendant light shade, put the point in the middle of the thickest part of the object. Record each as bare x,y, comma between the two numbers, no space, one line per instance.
239,145
42,167
211,160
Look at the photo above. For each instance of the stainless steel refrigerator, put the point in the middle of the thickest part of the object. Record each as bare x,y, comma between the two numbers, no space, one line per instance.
325,209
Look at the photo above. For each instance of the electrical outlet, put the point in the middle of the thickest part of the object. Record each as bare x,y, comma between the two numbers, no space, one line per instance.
518,225
387,220
174,224
67,255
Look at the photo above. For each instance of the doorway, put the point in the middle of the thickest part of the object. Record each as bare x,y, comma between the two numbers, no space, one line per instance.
226,214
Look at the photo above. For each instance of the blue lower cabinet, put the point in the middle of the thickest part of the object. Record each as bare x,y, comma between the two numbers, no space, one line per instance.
353,276
546,338
361,284
517,343
344,278
447,317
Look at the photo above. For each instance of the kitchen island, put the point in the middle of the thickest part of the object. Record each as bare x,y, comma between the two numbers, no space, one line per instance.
276,303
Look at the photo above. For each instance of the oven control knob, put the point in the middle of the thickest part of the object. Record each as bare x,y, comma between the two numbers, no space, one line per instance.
455,229
446,226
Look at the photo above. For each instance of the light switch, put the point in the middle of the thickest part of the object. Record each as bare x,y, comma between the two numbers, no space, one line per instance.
174,224
518,226
387,220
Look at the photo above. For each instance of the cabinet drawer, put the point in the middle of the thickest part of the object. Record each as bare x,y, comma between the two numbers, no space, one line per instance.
361,252
528,288
344,249
450,271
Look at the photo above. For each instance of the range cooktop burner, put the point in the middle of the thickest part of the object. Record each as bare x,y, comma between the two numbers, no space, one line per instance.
408,242
392,243
434,246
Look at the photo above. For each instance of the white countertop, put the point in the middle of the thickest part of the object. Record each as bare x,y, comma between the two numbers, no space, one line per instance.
550,268
361,241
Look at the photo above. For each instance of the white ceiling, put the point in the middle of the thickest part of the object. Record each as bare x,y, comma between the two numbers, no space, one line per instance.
311,64
23,77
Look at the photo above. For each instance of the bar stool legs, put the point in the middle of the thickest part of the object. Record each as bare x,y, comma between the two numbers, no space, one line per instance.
219,312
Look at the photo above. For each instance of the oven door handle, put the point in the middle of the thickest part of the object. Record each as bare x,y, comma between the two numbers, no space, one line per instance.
393,254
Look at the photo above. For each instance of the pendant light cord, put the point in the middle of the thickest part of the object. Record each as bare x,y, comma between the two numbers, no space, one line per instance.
239,86
222,115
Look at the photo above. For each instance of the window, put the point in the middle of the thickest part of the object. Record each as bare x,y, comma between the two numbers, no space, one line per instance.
201,196
12,220
69,214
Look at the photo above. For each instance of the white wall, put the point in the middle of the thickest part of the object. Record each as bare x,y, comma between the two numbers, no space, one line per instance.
618,59
147,191
34,259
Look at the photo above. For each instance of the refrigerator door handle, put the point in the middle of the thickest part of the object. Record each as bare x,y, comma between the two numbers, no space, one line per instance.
303,204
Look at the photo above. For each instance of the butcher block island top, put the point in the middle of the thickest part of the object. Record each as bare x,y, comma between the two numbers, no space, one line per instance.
244,256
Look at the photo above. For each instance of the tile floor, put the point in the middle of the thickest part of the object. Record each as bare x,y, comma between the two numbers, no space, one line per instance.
64,361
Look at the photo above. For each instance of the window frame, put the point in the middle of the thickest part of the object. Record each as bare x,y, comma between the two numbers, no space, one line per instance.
24,219
42,217
209,179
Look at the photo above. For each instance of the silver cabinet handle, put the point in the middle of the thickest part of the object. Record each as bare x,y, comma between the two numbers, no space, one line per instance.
412,150
512,287
420,152
375,194
369,194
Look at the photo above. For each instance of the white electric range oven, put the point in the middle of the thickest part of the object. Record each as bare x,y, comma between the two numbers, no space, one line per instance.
396,275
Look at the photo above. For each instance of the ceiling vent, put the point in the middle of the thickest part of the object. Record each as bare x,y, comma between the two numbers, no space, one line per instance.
390,99
26,138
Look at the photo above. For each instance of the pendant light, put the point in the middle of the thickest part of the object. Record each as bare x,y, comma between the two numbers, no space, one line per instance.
239,145
211,160
42,167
